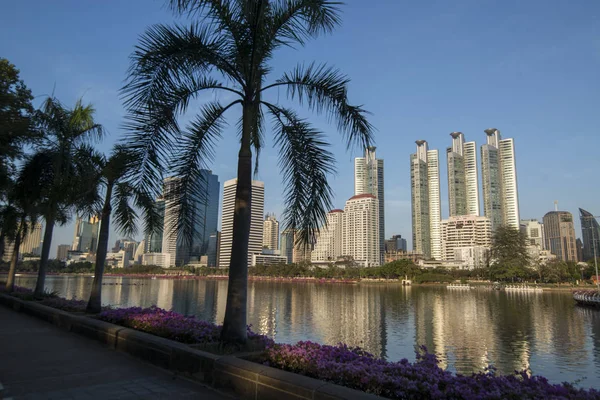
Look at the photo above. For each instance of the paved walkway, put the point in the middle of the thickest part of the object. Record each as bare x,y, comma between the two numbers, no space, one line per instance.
40,361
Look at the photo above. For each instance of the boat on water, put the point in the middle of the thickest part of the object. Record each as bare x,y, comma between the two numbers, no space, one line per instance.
459,286
522,288
587,297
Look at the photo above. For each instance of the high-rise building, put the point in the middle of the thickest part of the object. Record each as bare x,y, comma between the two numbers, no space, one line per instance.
559,233
257,210
62,252
368,179
32,243
579,246
463,181
205,213
286,245
590,234
328,246
466,236
499,178
534,230
425,201
395,244
361,230
153,241
270,233
86,235
213,250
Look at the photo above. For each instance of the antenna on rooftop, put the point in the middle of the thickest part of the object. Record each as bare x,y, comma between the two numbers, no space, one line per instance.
555,205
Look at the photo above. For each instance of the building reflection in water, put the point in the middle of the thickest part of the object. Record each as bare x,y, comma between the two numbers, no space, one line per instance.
468,330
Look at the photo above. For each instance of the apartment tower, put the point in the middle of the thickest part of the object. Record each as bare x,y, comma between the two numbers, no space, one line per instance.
257,210
361,230
368,179
270,233
463,180
328,246
499,179
425,201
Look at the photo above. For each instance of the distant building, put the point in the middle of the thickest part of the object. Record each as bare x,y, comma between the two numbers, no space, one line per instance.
395,244
534,230
361,230
590,235
369,179
62,252
153,241
256,224
293,249
559,233
463,181
466,238
499,180
268,259
328,245
32,243
212,256
162,260
425,201
270,233
579,246
86,235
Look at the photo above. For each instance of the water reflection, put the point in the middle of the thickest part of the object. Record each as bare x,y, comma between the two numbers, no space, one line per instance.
543,333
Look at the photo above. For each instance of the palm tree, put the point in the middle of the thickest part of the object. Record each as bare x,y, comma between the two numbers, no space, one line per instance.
118,194
229,50
61,172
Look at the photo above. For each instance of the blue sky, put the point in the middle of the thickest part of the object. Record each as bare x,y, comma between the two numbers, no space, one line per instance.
424,69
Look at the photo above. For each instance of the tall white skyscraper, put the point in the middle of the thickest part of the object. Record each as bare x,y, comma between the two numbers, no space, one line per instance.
270,233
256,224
425,201
463,182
499,179
361,230
368,179
329,242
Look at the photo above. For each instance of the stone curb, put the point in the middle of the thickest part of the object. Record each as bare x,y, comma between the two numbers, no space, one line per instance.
241,377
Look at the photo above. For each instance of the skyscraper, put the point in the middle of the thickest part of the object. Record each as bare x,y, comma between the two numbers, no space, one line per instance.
62,252
32,243
463,182
205,214
153,241
559,233
257,210
328,246
270,233
590,234
86,235
368,179
425,201
361,230
499,178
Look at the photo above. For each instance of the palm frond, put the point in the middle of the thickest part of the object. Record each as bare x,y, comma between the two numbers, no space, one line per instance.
85,181
305,163
324,89
188,186
295,21
125,216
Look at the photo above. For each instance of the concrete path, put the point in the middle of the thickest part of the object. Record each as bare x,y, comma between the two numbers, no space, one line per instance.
40,361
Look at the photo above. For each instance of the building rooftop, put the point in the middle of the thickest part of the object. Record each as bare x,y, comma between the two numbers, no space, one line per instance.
362,196
336,210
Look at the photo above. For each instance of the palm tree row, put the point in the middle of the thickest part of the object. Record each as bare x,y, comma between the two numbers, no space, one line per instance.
228,47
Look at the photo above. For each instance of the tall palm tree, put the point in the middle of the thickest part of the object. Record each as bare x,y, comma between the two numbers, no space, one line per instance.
229,49
61,172
120,196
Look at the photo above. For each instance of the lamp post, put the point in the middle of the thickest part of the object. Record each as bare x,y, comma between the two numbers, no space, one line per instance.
594,247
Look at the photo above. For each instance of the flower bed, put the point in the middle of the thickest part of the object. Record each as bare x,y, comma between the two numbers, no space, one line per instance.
423,379
171,325
72,305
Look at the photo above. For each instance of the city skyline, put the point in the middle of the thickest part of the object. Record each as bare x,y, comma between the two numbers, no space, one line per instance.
544,54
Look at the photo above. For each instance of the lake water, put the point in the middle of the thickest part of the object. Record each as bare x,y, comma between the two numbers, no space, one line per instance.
544,333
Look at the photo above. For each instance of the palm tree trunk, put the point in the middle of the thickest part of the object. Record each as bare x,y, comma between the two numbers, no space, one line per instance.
10,281
234,325
95,303
41,280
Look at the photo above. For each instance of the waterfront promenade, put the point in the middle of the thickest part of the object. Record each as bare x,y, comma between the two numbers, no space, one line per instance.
40,361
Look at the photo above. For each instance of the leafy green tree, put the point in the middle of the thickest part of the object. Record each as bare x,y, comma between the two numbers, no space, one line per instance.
16,126
119,196
509,256
63,171
229,49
